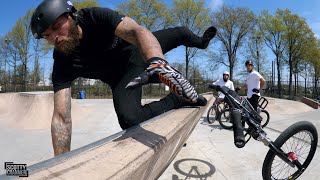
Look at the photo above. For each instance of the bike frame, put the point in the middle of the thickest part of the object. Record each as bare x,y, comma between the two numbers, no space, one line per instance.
217,105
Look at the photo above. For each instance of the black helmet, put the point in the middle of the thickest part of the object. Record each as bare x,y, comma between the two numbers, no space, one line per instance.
46,14
249,62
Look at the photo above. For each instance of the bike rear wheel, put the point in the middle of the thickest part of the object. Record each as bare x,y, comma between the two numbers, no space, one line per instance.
225,119
212,114
265,118
299,141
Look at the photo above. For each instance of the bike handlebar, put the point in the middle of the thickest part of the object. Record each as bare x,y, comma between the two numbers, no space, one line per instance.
216,87
239,138
224,90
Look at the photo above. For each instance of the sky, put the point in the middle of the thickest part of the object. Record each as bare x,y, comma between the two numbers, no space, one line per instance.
12,10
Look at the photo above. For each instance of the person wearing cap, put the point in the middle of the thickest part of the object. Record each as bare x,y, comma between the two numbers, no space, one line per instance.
224,81
100,43
254,83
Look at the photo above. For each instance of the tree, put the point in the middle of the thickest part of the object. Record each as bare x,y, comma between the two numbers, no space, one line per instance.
193,15
234,25
20,37
273,31
4,48
40,49
11,58
314,60
255,51
19,77
303,55
299,41
152,14
35,76
79,4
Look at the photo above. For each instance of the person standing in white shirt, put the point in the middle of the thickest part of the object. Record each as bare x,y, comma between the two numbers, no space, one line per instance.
223,82
254,82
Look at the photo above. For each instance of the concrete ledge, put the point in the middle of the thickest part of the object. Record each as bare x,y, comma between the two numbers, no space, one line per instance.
141,152
310,102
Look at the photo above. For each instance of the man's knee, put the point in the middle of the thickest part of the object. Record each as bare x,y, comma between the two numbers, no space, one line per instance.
128,119
183,31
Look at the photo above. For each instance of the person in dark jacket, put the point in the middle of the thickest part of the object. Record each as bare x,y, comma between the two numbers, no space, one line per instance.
100,43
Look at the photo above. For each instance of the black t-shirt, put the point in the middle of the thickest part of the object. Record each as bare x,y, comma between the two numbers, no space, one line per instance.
100,55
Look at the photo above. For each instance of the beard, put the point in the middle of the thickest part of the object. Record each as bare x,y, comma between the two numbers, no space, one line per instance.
67,46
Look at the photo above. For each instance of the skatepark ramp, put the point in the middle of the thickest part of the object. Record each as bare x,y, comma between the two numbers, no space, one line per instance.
284,106
32,110
141,152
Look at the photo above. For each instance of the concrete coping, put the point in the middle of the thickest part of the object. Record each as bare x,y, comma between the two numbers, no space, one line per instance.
310,102
141,152
37,93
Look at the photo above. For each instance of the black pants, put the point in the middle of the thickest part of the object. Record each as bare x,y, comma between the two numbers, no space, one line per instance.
127,102
254,101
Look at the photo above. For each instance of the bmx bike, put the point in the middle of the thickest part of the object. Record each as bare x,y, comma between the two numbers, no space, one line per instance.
289,155
215,110
224,115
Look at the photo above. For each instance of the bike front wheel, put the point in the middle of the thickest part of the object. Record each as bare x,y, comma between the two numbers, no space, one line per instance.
299,143
265,118
212,114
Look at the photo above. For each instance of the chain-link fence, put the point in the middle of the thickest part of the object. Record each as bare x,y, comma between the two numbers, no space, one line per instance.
100,90
298,89
95,89
20,87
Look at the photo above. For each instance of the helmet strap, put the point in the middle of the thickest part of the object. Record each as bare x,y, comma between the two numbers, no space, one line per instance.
75,16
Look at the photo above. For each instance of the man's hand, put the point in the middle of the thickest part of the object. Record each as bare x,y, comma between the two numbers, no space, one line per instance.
255,90
159,70
237,89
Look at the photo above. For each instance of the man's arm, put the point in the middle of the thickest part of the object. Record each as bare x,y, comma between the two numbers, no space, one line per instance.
232,86
146,42
61,125
151,52
216,82
262,83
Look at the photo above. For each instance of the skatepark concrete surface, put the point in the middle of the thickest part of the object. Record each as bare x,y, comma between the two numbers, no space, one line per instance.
209,154
25,120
